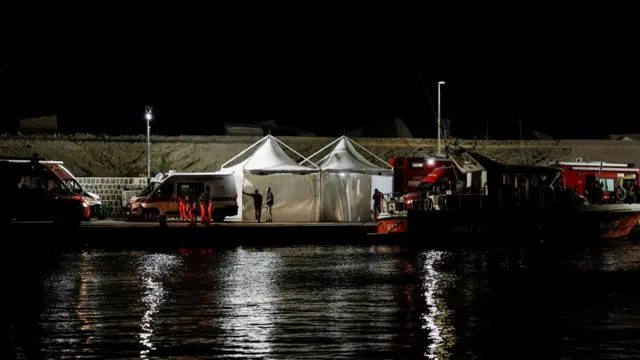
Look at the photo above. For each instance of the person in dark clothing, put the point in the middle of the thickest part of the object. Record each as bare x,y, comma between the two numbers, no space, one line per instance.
597,193
257,203
205,206
269,203
377,203
193,206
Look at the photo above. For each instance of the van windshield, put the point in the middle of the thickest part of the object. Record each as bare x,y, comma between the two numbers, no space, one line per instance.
149,189
74,186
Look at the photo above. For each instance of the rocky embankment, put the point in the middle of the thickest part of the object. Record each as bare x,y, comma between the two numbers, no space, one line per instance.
90,155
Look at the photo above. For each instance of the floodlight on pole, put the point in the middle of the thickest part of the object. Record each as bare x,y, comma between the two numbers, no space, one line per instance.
439,126
148,116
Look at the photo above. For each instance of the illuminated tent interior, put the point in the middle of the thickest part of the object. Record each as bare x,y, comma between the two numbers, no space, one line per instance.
347,181
294,186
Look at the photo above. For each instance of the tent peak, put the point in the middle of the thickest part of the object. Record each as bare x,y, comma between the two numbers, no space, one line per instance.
344,139
268,155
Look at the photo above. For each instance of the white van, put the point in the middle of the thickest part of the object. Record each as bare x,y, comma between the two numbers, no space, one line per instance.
161,196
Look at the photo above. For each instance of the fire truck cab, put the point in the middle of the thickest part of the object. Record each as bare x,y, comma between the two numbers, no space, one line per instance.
409,172
462,174
584,176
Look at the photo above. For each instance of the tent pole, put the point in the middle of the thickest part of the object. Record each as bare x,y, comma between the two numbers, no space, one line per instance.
244,151
321,150
319,198
297,153
370,153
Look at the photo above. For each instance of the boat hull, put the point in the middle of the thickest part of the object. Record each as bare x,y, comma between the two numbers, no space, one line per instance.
590,221
392,224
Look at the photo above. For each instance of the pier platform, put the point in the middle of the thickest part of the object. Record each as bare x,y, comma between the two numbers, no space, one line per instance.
120,234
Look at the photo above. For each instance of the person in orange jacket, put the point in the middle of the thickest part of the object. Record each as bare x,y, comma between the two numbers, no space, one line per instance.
205,206
183,207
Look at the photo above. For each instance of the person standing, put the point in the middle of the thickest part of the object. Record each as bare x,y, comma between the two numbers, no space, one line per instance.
193,206
205,206
182,203
257,203
377,203
269,203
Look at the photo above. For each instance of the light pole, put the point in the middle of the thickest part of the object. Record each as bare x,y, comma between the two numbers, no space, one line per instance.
148,115
439,126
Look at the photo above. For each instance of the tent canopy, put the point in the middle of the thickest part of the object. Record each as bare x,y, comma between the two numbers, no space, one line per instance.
345,158
269,158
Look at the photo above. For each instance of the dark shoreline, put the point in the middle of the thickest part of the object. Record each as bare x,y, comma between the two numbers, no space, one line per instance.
121,235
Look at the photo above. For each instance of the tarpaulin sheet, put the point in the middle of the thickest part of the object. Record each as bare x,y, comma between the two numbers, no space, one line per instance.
345,197
294,196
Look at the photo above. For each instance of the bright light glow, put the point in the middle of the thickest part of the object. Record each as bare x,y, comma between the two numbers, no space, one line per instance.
438,318
148,116
440,82
251,296
431,162
153,271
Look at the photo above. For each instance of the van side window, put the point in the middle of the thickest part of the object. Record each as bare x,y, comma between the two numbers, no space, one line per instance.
164,192
185,189
608,184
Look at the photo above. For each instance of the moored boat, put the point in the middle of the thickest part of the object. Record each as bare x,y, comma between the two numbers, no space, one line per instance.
511,201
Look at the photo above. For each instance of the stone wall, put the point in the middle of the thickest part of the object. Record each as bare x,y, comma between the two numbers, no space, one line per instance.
110,191
125,156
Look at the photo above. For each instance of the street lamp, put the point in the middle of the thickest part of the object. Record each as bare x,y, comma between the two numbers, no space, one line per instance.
439,126
148,115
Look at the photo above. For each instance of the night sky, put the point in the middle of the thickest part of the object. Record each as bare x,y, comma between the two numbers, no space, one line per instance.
571,80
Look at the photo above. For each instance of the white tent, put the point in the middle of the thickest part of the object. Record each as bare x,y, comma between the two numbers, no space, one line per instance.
347,182
294,186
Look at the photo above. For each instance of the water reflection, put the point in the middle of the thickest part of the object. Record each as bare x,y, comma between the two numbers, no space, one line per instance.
438,318
153,269
619,256
250,295
86,309
330,302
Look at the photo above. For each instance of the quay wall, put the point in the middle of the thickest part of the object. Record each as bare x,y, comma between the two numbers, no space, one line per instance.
110,190
125,156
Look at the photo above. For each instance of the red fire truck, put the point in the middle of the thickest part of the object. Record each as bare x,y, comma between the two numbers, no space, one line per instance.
409,172
584,175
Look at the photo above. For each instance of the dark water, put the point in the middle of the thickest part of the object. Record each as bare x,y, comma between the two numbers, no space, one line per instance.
324,302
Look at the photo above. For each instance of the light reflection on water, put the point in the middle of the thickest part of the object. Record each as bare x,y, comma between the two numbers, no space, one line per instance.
437,316
153,269
333,302
250,293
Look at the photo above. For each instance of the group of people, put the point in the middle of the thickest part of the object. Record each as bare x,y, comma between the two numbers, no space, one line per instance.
257,204
188,204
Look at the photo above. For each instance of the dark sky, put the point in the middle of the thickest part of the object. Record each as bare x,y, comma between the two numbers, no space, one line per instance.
571,79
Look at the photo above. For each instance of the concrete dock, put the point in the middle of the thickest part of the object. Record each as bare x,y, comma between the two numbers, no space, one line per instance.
123,234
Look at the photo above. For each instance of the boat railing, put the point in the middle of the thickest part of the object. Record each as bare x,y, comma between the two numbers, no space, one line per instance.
394,203
506,197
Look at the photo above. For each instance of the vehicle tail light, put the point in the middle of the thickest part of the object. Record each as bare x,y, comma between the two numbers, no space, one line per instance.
235,199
